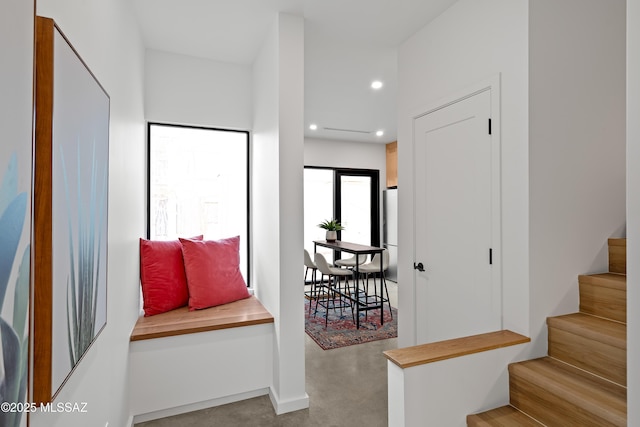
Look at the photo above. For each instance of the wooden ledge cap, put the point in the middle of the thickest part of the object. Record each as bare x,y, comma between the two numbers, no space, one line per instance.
441,350
181,321
620,241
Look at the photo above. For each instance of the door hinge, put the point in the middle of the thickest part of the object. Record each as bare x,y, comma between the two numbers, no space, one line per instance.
490,256
489,126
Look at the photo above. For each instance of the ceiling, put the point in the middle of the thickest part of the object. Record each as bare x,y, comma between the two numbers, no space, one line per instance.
348,44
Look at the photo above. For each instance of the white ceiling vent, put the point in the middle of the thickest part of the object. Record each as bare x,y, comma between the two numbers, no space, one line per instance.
348,130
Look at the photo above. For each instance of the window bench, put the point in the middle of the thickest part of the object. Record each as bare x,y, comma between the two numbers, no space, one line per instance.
182,361
180,321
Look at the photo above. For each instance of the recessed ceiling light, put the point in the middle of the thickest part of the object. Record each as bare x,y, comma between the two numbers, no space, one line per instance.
379,133
376,84
313,126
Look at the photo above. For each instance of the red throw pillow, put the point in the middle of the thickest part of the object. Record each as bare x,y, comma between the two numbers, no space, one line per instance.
213,272
164,284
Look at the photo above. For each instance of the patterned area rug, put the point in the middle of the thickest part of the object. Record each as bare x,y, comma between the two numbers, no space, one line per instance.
341,330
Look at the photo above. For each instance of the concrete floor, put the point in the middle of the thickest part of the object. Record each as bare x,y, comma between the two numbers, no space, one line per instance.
346,386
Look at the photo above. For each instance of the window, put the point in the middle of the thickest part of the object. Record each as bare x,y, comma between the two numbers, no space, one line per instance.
198,183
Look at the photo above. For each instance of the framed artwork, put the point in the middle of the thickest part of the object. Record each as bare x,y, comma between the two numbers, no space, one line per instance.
71,174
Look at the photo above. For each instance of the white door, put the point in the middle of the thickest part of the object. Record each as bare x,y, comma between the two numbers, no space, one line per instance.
456,208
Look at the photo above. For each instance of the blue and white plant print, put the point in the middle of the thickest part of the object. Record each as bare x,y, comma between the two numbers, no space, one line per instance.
14,268
85,256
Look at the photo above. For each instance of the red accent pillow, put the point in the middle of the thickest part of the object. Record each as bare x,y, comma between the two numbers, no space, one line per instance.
213,272
164,284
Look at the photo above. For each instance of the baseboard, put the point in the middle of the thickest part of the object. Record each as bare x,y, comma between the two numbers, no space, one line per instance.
290,405
199,405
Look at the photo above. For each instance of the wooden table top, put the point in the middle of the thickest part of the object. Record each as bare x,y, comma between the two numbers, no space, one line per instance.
354,248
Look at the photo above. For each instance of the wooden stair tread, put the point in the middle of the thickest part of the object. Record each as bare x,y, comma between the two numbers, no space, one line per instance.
608,280
595,395
592,327
504,416
591,343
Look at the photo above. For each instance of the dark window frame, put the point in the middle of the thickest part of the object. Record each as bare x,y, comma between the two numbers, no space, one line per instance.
248,189
374,174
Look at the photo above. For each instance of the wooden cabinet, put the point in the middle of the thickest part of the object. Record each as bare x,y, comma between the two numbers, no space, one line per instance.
392,164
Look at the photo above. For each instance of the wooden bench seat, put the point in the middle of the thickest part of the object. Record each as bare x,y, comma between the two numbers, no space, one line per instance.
181,321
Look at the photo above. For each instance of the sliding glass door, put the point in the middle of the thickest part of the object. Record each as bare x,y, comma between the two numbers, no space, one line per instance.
355,208
349,195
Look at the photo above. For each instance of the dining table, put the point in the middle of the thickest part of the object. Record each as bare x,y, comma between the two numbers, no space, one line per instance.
364,302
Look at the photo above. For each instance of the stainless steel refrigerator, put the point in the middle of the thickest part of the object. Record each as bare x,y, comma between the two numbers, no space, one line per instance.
390,230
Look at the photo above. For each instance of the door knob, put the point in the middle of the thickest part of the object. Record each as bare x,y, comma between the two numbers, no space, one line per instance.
419,266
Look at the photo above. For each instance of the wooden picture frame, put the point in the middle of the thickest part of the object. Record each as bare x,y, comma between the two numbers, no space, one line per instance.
71,173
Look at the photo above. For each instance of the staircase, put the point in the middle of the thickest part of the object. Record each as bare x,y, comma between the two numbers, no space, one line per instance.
583,380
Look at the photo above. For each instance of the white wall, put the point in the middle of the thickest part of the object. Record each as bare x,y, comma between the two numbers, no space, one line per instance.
576,148
346,154
187,90
467,44
633,211
106,37
277,202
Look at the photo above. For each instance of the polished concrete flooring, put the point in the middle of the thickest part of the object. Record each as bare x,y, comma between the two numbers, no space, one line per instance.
346,386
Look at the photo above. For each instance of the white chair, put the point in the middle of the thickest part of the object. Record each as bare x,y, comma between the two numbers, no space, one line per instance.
351,262
333,287
373,267
309,266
